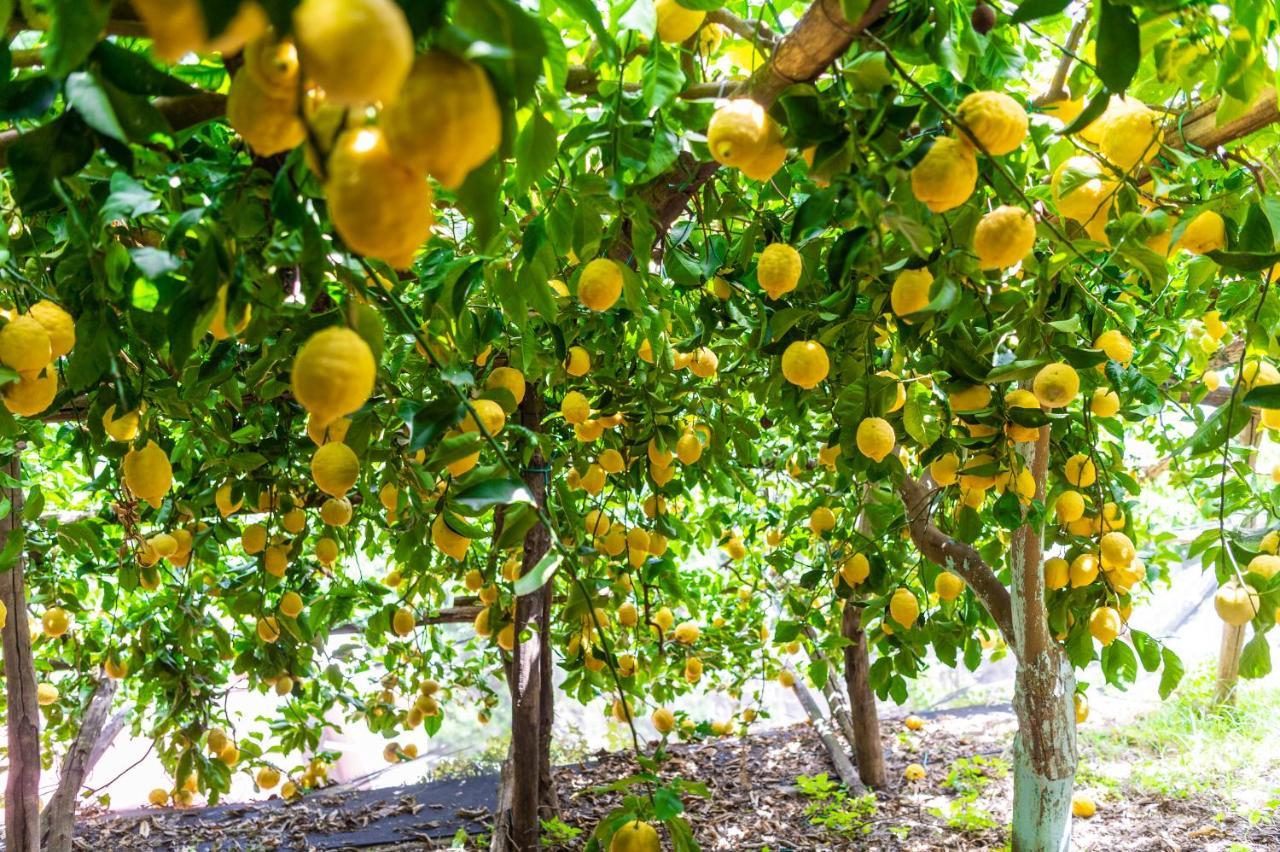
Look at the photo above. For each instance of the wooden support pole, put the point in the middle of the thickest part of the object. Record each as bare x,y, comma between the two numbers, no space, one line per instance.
60,815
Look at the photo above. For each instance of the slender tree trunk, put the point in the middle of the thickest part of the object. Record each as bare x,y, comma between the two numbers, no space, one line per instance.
1224,691
1044,749
522,799
22,789
60,815
822,726
862,701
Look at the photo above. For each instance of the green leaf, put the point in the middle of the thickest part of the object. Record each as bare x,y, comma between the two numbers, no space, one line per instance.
1173,672
58,149
1032,10
819,672
1119,46
1263,396
27,97
1244,261
427,422
1097,106
1119,664
661,75
587,10
74,30
507,40
540,575
666,804
536,148
921,415
1216,430
494,492
1148,649
515,523
1255,658
131,72
481,197
113,113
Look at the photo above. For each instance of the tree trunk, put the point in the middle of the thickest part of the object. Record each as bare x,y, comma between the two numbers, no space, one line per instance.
862,701
1044,749
60,815
22,789
526,792
1224,691
822,726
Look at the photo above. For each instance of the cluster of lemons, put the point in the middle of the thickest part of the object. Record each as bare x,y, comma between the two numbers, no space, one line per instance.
30,343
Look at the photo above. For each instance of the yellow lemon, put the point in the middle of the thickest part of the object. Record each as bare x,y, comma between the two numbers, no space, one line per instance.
510,380
268,631
1131,136
1104,402
335,468
1056,573
675,22
403,621
904,608
946,176
1083,570
1236,603
333,375
600,284
875,438
741,133
268,121
122,428
997,121
25,345
1205,233
577,361
910,292
636,836
447,541
948,586
57,323
944,468
1082,191
491,415
177,27
1056,385
253,538
148,474
1082,805
1116,346
1004,237
1069,507
778,270
359,51
291,604
30,396
1104,624
805,363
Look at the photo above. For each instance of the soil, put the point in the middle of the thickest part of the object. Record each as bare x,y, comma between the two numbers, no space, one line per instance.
755,803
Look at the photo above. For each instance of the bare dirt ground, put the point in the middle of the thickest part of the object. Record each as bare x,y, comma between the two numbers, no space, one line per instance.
756,803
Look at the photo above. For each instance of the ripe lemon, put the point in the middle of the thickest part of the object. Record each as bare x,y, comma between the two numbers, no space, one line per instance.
1117,347
1104,624
736,549
358,51
855,569
163,544
323,433
267,777
222,499
740,132
1104,402
327,550
610,461
675,22
686,633
1236,603
1131,136
997,121
1205,233
491,416
1021,399
600,284
636,836
704,362
177,27
291,604
875,438
1081,707
970,398
948,586
403,621
46,694
805,363
333,375
509,379
946,176
688,448
1056,385
55,622
910,292
115,668
1117,551
158,797
25,345
1069,507
1082,191
268,631
273,64
29,396
1264,564
253,538
914,772
664,721
448,541
57,323
1056,573
380,207
575,408
445,121
577,362
821,520
148,474
778,269
904,608
1003,237
294,521
943,469
275,561
1083,570
123,428
267,121
335,468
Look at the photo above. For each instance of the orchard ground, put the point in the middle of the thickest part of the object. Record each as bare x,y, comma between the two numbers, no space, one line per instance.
1165,775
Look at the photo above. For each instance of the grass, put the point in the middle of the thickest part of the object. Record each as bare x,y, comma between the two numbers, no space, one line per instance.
1187,746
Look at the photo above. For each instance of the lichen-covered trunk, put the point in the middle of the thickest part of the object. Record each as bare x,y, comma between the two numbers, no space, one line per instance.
1044,749
22,788
862,701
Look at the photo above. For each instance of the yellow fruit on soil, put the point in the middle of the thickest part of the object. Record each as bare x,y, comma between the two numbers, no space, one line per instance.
123,428
805,363
944,468
25,346
1056,573
148,474
291,604
948,586
55,622
778,270
913,723
1105,624
446,120
177,27
600,284
447,541
675,22
635,836
1069,507
1236,603
379,206
914,772
490,414
1104,402
57,323
268,629
1082,805
997,121
904,608
910,292
29,396
1131,136
1083,191
1004,237
267,120
158,797
1079,471
335,468
332,376
1056,385
1205,233
875,438
946,176
358,51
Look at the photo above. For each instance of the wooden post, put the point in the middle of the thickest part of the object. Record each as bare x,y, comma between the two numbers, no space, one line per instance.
839,759
60,815
862,701
1224,691
22,790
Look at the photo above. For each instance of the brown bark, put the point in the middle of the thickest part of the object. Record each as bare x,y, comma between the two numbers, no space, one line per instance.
1200,128
955,556
862,701
1033,633
822,726
1224,688
816,41
22,788
60,815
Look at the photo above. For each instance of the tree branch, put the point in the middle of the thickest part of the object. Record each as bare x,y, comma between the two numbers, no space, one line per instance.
753,31
956,556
